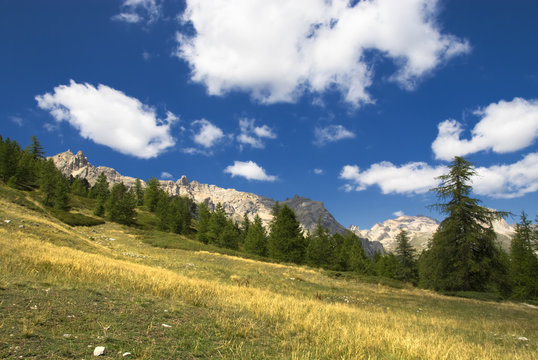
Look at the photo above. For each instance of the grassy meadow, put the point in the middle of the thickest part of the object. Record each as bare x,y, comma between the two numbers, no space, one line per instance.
66,289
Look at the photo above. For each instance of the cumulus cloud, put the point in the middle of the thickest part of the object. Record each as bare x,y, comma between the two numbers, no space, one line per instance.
318,171
331,133
504,127
111,118
278,50
253,135
166,175
249,170
498,181
508,181
398,213
206,133
411,178
136,11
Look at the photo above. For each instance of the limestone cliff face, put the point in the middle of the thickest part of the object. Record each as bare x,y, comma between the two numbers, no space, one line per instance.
420,230
235,203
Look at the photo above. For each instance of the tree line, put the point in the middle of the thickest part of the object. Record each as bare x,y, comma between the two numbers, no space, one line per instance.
463,254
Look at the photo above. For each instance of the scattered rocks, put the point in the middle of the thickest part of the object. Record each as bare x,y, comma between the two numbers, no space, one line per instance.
21,226
99,350
67,336
7,221
522,338
167,326
126,354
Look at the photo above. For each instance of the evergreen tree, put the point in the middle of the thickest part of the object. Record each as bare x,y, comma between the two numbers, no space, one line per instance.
47,182
151,194
26,169
9,157
256,239
244,227
204,216
355,256
217,222
35,148
120,205
406,255
139,192
321,248
61,191
462,254
78,188
100,192
229,237
524,261
286,241
174,213
387,265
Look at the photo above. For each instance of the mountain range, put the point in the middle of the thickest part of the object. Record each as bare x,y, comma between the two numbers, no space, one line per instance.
420,229
235,203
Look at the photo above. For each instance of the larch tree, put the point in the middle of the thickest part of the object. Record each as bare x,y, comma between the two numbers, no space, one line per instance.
463,254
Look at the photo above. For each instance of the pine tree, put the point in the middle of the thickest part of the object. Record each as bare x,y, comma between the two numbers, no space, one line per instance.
204,216
462,254
229,237
61,191
139,192
120,205
321,248
100,192
47,182
35,148
355,256
151,194
406,255
78,188
286,241
256,239
217,222
244,227
524,261
387,265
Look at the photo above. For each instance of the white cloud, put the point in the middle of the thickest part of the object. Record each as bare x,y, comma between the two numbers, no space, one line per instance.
318,171
277,50
16,120
135,11
249,170
411,178
111,118
499,181
508,181
254,135
398,213
166,175
207,134
331,133
504,127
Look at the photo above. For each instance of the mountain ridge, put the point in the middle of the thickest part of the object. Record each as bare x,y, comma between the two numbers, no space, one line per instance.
420,229
235,203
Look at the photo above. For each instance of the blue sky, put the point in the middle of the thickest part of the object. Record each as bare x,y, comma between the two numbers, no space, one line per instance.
359,105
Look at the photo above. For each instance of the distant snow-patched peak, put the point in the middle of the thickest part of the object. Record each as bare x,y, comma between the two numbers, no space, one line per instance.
420,230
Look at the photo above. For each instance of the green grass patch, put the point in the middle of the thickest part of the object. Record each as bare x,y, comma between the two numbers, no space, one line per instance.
75,219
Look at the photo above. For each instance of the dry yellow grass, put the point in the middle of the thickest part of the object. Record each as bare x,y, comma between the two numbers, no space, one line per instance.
378,322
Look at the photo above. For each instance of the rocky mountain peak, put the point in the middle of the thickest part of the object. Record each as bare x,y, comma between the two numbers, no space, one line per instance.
420,229
235,203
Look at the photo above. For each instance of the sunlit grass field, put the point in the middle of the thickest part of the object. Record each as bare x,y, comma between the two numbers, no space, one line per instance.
65,290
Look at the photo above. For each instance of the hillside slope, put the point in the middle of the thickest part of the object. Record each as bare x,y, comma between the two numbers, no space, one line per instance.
65,290
235,203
